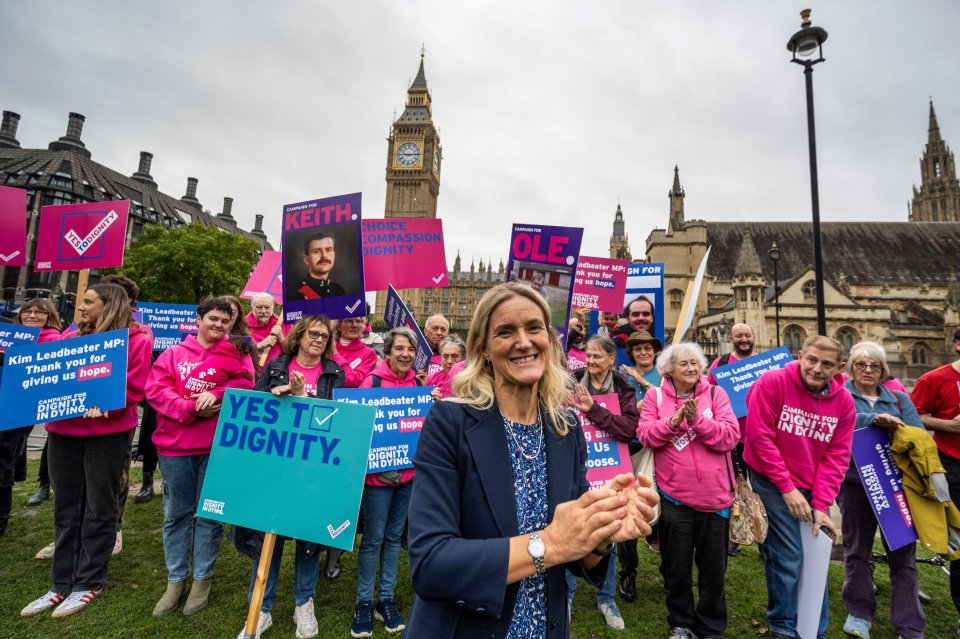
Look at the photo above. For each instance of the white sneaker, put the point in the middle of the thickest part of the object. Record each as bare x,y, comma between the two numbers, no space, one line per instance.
47,551
611,615
76,602
118,544
264,624
306,621
42,604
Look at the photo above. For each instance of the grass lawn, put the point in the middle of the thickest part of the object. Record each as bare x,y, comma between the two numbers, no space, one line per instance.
137,579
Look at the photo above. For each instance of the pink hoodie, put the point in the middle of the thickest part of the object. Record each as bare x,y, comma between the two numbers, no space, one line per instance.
797,439
48,335
139,348
176,376
357,361
444,381
692,461
260,332
389,380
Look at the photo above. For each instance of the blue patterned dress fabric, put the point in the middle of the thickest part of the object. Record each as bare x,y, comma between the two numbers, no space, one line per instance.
528,454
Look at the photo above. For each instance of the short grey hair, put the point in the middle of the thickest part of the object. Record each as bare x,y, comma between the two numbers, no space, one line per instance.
400,331
667,359
455,340
605,344
262,296
869,350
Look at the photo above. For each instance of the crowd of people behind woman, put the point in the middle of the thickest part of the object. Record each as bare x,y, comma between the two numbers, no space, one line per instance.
497,510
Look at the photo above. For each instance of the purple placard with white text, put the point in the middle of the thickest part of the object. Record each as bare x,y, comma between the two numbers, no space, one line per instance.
78,236
606,457
13,221
396,313
883,484
267,276
322,259
600,284
545,259
407,253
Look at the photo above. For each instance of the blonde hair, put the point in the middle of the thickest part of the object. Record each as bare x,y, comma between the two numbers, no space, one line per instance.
116,312
475,386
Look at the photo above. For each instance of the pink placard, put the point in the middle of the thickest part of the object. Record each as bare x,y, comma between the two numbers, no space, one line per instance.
405,252
600,284
13,221
76,236
606,457
267,276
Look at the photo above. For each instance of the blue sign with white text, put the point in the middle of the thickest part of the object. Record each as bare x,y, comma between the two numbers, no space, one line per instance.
396,431
168,322
16,335
736,378
62,379
288,465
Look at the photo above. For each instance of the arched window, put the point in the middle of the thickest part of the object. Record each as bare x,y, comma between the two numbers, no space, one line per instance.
793,338
676,299
918,354
809,289
848,337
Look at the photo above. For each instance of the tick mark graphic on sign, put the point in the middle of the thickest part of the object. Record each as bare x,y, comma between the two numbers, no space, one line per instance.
80,245
336,531
436,280
320,422
351,309
7,258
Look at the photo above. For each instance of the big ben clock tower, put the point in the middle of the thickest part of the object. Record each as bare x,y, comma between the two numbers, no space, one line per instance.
414,156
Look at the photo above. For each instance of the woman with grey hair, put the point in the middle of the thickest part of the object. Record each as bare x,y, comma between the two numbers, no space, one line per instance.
878,407
453,353
691,427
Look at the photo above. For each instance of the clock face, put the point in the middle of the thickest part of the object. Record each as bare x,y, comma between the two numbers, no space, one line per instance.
436,163
408,154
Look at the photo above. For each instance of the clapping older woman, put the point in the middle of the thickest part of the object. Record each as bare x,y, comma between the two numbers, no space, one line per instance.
500,506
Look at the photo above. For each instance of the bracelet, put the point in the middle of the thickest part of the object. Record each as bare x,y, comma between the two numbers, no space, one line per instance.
603,552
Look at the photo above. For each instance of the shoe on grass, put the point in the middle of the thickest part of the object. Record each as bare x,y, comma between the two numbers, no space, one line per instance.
41,495
44,603
857,627
47,551
170,600
117,544
306,620
263,624
387,612
681,633
74,603
362,620
198,598
611,615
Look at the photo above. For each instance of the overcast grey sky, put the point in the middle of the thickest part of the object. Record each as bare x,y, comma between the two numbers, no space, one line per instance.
549,111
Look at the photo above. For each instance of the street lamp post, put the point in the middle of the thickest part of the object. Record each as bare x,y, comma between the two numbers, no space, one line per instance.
804,45
775,255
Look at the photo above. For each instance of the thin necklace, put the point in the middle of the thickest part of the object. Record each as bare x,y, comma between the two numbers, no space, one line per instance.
510,424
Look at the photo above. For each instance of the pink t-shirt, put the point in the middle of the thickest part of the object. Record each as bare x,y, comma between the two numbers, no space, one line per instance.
310,375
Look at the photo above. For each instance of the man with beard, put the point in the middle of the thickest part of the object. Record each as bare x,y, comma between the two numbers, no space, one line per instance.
639,315
319,255
937,398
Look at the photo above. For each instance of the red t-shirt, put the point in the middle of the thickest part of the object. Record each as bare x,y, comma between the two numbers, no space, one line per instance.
310,375
937,394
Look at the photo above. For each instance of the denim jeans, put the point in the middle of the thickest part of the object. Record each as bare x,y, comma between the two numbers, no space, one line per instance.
183,533
859,526
85,475
783,559
384,517
605,594
690,537
306,570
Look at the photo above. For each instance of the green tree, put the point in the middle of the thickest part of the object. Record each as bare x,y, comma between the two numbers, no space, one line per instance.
185,265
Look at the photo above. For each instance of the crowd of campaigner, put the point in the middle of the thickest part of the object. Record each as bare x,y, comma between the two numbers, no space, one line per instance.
496,513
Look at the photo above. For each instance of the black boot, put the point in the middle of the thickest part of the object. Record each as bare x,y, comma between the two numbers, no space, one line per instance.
146,490
42,495
333,563
6,504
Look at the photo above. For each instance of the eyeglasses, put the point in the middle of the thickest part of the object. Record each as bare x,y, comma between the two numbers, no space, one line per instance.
318,335
863,366
34,311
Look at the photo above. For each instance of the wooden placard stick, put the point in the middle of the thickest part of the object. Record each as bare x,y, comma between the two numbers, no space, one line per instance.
256,600
81,291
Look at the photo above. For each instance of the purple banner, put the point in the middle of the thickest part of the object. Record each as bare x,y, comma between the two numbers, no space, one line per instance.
322,259
545,259
396,313
884,485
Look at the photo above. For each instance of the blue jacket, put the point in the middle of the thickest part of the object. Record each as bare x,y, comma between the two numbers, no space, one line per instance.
890,402
462,514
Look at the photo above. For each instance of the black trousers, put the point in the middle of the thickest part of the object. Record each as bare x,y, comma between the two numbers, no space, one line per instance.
43,475
689,537
85,474
952,467
145,446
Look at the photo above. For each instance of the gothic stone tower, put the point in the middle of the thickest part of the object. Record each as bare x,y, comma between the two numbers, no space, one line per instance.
938,198
619,242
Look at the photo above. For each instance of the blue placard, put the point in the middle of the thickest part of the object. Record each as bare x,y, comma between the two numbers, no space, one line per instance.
168,321
883,484
737,377
396,431
12,335
62,379
288,465
396,313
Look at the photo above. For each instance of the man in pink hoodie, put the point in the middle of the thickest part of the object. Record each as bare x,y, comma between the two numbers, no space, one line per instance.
800,422
265,326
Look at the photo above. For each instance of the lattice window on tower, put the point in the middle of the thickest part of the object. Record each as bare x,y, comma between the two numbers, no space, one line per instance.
754,295
936,168
793,338
919,353
848,337
676,299
809,289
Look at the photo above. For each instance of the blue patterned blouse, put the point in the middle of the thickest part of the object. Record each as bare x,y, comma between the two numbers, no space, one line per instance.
527,448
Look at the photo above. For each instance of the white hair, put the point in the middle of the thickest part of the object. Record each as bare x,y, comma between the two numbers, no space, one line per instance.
666,360
262,296
868,350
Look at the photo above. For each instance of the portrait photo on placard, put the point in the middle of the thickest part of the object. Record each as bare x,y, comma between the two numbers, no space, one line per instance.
552,282
323,262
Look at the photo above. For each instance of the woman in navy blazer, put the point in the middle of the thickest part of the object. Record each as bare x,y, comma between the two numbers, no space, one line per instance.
500,506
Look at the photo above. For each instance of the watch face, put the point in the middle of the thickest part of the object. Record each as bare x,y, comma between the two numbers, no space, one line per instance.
408,154
535,547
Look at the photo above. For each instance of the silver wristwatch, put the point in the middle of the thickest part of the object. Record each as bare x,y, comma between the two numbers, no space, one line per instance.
537,550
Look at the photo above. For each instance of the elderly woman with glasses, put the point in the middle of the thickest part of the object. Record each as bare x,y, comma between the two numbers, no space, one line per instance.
879,407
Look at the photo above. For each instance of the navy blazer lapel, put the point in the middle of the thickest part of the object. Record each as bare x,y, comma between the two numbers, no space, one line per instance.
560,467
488,447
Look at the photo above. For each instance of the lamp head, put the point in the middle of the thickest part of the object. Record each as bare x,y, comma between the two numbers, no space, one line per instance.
807,42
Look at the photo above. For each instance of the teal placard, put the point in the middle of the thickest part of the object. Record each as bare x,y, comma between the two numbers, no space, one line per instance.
288,465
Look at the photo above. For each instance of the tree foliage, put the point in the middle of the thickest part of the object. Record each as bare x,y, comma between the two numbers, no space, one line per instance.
187,264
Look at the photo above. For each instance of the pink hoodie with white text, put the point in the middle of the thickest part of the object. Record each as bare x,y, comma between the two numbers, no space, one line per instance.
357,361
